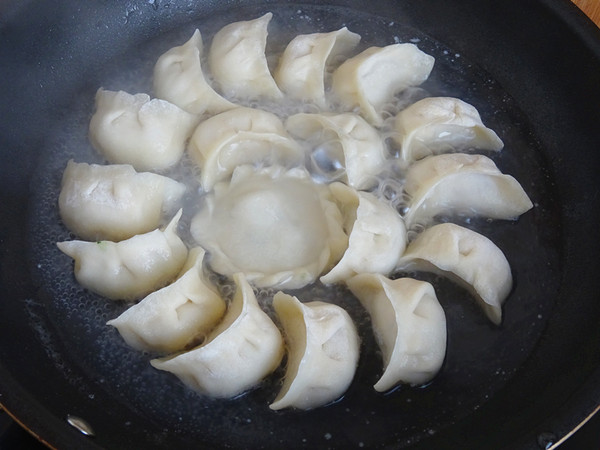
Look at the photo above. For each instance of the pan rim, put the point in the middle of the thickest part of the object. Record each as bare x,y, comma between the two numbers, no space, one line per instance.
590,35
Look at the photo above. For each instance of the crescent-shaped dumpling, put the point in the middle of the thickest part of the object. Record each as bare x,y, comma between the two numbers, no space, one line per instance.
323,351
409,326
114,202
345,140
244,348
458,183
172,317
179,78
377,235
302,67
464,256
440,125
238,62
241,136
130,269
370,79
278,227
133,129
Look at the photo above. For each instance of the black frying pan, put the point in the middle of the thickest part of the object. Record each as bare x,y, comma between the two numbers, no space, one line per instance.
532,68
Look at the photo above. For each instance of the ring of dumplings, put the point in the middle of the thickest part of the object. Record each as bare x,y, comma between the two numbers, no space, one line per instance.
283,202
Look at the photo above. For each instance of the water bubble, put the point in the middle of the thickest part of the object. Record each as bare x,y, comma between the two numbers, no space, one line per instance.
327,160
546,440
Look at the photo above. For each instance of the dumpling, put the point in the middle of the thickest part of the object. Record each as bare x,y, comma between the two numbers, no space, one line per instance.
130,269
241,136
343,141
409,325
464,256
441,125
114,202
238,62
377,235
132,129
302,67
323,351
244,348
179,78
171,318
458,183
277,227
370,79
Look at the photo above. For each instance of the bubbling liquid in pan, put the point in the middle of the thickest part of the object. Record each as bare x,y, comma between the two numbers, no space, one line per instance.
88,313
243,234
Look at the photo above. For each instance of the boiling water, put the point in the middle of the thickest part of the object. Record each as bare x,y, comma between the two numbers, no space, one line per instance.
481,358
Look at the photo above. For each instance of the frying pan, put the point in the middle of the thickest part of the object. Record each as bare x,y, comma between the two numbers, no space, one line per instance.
532,68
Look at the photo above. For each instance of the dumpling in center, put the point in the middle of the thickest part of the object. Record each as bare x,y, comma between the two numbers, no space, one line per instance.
277,227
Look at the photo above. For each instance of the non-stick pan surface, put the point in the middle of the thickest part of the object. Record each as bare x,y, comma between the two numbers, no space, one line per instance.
532,68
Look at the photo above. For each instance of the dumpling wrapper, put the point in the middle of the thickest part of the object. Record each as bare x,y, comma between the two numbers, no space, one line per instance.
466,257
458,183
370,79
377,235
244,348
178,314
130,269
440,125
238,62
179,78
277,227
133,129
114,202
237,137
323,352
302,67
409,325
345,139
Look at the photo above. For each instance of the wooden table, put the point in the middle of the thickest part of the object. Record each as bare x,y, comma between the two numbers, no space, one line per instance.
591,8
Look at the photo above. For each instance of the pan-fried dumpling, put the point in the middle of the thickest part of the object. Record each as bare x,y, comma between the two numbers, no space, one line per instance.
302,68
171,318
114,202
441,125
464,256
342,141
409,326
377,235
241,136
370,79
277,227
132,129
323,351
179,78
238,62
130,269
244,348
458,183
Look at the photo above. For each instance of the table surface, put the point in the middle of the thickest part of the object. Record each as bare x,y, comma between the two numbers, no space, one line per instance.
591,8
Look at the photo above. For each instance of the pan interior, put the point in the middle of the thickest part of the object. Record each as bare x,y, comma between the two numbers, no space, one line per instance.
481,358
